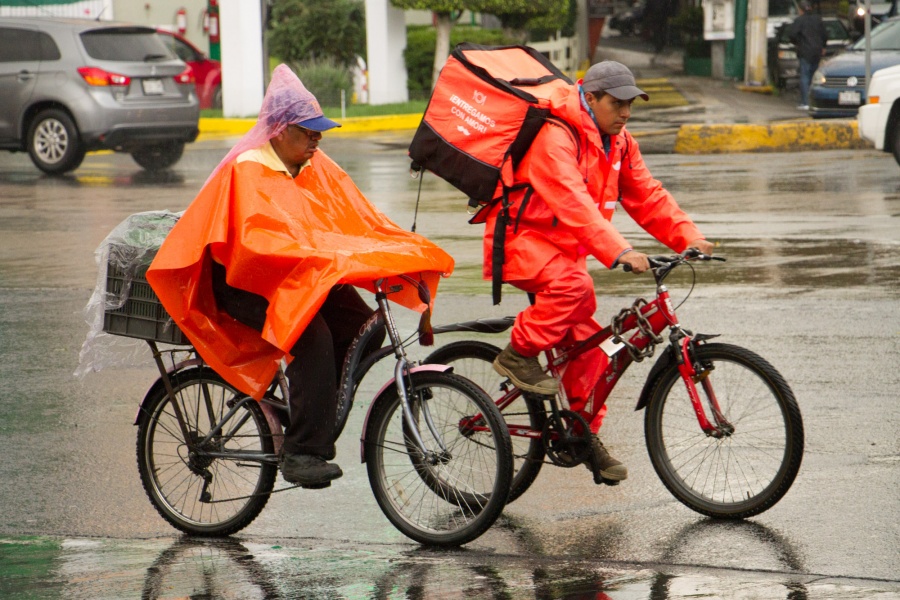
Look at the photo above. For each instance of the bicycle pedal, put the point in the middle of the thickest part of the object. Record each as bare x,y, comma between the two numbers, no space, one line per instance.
316,486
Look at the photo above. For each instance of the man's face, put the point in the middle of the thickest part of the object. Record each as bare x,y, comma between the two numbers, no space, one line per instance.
611,113
296,144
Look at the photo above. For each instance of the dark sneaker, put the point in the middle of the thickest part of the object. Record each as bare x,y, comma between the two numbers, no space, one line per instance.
605,468
308,470
525,372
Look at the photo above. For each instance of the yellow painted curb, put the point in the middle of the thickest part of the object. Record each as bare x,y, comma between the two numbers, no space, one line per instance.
217,129
778,137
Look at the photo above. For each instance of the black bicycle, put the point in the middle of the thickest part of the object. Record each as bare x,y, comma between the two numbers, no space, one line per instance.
208,454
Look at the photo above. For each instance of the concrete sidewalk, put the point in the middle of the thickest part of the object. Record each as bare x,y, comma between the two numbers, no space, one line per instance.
686,114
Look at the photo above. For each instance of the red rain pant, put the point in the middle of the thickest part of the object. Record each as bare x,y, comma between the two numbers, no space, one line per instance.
563,313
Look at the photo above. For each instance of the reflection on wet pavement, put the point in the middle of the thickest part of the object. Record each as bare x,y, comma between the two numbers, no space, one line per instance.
229,568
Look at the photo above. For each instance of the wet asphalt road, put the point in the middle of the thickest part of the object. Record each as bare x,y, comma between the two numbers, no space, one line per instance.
811,283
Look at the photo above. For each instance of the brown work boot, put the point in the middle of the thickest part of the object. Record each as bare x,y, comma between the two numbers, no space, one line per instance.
525,372
605,468
309,471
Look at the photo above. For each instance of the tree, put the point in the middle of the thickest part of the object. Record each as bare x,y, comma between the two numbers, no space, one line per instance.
303,30
447,12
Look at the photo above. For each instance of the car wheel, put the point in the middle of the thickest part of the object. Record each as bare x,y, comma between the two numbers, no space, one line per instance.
217,97
54,144
157,157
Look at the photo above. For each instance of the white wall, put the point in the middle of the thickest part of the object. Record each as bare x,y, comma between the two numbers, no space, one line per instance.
243,71
385,42
161,13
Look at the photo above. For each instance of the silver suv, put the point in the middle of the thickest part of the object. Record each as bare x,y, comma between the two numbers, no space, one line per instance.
70,86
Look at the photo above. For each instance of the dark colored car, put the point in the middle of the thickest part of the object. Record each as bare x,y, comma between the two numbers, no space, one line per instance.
783,56
839,86
70,86
207,72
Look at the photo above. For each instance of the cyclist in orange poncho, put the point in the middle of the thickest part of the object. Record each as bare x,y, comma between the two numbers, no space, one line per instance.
264,262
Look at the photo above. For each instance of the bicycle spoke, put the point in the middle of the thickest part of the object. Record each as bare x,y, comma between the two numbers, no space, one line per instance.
194,483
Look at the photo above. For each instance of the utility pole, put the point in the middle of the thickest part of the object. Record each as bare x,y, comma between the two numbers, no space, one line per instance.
867,28
756,67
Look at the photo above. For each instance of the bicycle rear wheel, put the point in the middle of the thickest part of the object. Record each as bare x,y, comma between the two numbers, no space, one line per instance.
474,360
196,486
743,473
454,495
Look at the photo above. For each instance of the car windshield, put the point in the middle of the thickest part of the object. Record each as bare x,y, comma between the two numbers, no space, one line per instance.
884,37
835,30
125,45
781,8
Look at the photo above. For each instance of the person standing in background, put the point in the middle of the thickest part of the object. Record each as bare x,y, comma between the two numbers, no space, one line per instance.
808,35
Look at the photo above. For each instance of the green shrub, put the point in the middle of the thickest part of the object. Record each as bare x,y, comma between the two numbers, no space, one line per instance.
419,53
302,30
688,27
325,78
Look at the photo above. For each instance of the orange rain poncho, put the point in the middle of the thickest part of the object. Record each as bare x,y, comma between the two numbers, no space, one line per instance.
288,240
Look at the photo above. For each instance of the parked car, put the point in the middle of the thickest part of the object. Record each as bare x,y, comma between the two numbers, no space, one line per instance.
839,85
783,57
207,72
70,86
881,10
879,120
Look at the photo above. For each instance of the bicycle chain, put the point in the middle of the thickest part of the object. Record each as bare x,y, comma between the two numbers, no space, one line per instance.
643,326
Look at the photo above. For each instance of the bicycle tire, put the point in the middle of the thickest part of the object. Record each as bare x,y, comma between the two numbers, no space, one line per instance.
171,471
742,474
474,360
476,466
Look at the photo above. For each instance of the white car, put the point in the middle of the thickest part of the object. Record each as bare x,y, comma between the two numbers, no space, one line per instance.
879,118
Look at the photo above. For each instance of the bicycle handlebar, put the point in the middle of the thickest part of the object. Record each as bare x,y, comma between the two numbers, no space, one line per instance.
662,263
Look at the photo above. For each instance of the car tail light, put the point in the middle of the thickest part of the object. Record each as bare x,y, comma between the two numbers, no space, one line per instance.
186,76
99,77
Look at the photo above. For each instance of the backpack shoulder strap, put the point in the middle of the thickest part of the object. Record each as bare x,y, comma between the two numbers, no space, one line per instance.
573,133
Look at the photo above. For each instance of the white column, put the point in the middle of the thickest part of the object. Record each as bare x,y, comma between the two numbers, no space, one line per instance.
243,77
755,66
385,42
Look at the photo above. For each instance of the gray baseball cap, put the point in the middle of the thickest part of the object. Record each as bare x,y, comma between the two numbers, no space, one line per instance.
614,78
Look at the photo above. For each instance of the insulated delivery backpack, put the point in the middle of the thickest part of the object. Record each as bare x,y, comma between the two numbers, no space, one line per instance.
487,106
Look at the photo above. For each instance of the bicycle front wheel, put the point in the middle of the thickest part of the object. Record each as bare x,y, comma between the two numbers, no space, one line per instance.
748,470
474,360
455,492
214,487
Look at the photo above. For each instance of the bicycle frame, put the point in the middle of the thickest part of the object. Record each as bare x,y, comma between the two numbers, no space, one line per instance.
643,324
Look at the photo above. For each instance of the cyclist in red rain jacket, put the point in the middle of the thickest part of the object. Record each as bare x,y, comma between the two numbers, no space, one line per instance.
577,176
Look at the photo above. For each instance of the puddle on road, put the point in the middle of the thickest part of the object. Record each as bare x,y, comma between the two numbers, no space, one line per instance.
38,568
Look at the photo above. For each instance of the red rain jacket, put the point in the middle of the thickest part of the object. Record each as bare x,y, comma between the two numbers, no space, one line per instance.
289,240
576,189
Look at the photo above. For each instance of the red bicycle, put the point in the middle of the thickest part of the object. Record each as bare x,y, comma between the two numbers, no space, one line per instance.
722,426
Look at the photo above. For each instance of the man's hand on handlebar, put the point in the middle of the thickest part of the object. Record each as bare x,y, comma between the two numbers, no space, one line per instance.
634,261
704,246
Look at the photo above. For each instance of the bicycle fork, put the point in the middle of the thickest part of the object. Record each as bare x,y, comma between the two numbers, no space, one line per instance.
693,373
401,378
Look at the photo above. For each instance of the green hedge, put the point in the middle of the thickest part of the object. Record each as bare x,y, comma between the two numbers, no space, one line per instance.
419,53
325,78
